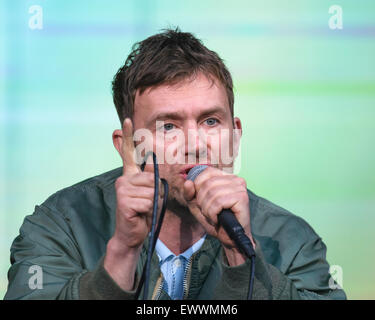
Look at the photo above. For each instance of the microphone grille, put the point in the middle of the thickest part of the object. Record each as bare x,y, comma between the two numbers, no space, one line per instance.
195,171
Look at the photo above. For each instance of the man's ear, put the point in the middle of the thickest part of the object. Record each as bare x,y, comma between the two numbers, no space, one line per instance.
117,141
237,134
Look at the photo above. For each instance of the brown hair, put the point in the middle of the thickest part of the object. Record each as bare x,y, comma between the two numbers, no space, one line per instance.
165,58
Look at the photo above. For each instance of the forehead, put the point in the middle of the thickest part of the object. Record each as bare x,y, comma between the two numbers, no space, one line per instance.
189,97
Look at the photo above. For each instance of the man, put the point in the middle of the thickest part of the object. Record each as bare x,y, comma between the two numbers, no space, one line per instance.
90,240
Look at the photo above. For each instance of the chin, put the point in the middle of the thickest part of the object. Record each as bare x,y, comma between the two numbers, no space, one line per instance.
175,198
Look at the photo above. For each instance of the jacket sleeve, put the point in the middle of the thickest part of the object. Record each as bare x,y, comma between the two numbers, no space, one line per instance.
46,264
306,278
98,285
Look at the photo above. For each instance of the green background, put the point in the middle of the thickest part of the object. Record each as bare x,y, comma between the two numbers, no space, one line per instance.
305,94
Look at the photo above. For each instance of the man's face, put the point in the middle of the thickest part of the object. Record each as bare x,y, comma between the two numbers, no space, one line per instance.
188,123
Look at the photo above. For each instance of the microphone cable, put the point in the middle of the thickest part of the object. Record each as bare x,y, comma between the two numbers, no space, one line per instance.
251,282
154,234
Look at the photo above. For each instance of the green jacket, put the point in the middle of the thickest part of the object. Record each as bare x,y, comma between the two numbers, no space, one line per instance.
66,238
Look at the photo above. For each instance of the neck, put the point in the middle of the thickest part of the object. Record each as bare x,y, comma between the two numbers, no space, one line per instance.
180,230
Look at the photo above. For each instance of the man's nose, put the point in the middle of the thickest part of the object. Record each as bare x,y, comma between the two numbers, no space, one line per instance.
195,143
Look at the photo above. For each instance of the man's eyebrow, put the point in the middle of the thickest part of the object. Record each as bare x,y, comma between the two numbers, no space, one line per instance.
178,116
212,110
163,116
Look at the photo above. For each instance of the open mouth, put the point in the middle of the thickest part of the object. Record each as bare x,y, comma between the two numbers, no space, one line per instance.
185,171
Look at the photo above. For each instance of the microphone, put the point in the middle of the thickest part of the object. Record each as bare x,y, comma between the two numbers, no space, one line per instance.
228,221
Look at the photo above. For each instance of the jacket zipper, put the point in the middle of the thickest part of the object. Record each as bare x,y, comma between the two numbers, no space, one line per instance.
185,283
159,285
186,280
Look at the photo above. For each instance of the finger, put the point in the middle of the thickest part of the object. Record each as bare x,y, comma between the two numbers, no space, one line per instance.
145,179
144,186
142,206
189,190
140,192
207,188
207,174
161,189
149,168
212,206
128,150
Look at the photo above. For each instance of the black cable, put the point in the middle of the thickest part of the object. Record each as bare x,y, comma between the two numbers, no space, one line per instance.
153,224
154,234
251,282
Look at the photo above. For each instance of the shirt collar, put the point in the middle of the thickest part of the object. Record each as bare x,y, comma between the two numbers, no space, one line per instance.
164,253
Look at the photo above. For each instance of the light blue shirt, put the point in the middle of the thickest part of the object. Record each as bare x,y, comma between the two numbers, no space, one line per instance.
174,268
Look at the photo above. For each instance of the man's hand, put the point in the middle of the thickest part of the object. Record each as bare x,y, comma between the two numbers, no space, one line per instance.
135,195
211,192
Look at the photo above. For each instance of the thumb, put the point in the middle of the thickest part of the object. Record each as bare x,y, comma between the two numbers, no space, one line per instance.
189,190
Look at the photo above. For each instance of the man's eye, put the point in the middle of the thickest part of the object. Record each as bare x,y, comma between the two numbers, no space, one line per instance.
168,126
211,121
